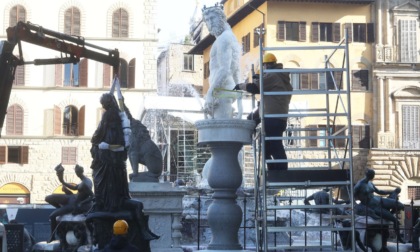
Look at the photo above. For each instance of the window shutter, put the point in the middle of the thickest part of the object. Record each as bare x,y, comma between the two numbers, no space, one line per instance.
315,32
83,73
336,28
132,73
3,154
76,22
67,21
18,120
19,76
281,30
304,78
57,121
58,75
107,76
116,24
123,73
21,13
124,24
371,33
302,31
24,154
13,16
81,121
349,28
10,120
314,81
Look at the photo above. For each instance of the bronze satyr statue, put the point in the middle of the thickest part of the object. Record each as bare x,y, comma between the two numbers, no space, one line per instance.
376,206
68,202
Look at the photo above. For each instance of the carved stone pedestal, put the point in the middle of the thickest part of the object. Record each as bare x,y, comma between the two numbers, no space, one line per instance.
225,138
163,204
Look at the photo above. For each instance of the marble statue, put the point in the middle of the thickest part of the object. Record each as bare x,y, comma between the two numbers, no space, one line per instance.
224,64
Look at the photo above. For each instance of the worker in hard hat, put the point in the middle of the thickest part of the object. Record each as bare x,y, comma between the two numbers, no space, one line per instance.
273,104
119,241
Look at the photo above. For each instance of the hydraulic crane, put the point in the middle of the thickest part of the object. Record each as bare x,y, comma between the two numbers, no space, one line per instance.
72,48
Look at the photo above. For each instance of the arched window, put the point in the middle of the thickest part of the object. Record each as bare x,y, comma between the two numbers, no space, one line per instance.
14,120
120,24
17,13
72,21
132,73
70,121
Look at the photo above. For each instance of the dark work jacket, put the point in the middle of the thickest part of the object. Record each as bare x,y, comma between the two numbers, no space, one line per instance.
121,244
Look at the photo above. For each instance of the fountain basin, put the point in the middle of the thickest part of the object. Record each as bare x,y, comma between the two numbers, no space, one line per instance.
225,130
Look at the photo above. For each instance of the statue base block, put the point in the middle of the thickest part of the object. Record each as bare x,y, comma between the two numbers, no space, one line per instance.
373,233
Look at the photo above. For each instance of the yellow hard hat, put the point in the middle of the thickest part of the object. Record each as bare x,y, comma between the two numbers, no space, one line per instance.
269,58
120,227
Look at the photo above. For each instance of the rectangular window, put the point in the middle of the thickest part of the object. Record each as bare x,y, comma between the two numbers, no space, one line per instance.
408,40
360,80
71,75
363,33
292,31
309,81
246,43
14,154
321,131
69,155
188,62
361,136
414,192
325,32
410,126
329,80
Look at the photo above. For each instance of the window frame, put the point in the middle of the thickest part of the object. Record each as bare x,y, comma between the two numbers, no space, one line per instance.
19,15
20,154
68,155
72,21
120,23
188,62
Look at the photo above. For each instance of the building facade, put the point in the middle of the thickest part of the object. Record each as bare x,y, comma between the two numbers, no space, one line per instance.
54,109
383,68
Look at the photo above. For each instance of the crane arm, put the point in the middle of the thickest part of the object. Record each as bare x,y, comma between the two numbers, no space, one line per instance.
74,48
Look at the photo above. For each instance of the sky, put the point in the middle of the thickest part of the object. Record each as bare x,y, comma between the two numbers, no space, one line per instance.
174,17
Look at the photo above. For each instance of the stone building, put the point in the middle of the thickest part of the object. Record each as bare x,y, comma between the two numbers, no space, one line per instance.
384,73
54,109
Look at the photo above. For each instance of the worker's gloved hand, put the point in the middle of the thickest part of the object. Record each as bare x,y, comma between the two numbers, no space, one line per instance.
103,146
241,86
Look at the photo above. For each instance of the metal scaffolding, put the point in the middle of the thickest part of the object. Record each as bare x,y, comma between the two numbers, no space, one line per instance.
331,169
